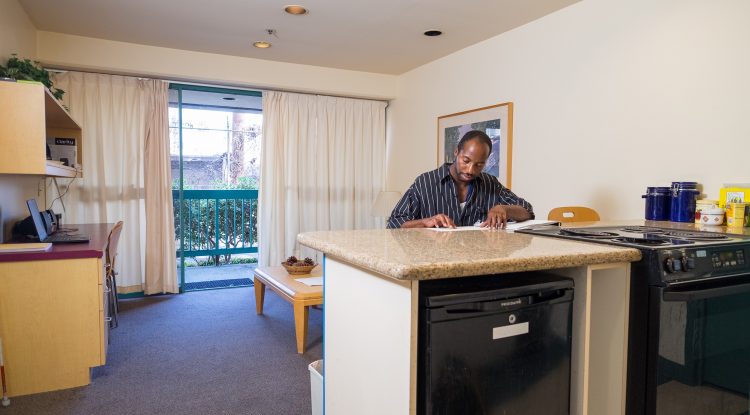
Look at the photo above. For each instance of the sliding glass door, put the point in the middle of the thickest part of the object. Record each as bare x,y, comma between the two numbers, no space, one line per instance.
215,136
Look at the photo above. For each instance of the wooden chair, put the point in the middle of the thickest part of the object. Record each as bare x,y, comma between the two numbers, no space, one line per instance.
573,214
111,274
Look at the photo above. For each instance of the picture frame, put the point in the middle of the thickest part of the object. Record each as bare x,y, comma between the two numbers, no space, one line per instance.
496,121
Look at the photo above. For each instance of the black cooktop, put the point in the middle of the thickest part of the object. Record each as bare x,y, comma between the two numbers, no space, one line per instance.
643,237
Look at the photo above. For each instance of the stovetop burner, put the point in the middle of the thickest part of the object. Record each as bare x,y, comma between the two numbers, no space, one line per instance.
585,233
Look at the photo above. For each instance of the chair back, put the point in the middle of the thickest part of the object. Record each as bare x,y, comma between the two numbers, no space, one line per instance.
112,242
573,214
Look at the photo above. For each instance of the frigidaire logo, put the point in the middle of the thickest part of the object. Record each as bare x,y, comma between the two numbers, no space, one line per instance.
517,301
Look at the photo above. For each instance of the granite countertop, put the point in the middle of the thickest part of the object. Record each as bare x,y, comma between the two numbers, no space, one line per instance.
422,254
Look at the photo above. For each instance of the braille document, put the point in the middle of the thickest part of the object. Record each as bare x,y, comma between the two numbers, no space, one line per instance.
459,228
510,226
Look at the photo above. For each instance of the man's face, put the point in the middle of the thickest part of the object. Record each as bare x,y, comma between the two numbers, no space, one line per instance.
470,160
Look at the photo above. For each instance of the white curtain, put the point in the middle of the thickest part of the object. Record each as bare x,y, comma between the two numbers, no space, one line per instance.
116,114
323,164
161,264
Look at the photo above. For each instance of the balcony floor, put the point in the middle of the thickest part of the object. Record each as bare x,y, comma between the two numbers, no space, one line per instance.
221,272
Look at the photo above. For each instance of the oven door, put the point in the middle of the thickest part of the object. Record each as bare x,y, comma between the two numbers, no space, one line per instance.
699,348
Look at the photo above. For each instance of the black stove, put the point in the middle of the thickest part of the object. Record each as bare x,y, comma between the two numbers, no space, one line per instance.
689,317
670,256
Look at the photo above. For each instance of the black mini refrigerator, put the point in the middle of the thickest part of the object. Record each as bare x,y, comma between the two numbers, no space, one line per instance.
495,345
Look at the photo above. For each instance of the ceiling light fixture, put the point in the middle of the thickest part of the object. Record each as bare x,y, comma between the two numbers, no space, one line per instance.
295,10
262,44
433,33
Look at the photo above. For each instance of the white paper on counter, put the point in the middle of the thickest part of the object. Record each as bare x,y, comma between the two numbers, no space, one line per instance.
458,228
510,226
311,281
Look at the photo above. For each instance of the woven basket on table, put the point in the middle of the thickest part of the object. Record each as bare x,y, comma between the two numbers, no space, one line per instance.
298,269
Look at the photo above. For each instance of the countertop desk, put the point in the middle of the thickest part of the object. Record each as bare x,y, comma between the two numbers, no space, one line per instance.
52,313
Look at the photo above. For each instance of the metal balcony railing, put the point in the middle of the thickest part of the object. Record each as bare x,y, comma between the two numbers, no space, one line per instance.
216,222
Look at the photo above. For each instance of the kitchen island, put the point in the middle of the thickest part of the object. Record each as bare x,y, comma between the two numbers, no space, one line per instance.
372,280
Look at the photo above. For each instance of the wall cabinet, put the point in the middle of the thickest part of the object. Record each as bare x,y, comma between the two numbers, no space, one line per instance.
28,115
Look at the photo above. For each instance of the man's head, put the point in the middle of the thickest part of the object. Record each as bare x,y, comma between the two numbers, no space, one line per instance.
471,153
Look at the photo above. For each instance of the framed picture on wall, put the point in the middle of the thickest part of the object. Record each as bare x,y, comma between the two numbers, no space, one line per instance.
496,121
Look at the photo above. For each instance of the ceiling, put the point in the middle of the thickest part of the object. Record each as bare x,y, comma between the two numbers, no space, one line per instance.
382,36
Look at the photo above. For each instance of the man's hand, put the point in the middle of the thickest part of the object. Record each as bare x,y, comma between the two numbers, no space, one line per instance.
439,221
497,218
499,215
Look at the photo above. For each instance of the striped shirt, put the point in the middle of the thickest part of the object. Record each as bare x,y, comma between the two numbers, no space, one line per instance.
434,192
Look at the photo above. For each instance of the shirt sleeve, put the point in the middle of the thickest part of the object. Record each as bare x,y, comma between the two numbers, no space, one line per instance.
506,197
408,208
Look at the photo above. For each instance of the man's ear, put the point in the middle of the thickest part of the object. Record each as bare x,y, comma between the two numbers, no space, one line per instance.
455,154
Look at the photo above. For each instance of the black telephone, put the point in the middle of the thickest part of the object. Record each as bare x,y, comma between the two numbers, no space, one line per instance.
50,221
25,228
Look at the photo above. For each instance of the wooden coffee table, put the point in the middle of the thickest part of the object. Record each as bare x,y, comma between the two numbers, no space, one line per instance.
301,296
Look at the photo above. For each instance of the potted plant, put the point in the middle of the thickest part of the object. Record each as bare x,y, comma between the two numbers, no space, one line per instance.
27,70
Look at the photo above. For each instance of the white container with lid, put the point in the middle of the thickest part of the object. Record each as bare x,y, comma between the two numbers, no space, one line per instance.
701,205
713,216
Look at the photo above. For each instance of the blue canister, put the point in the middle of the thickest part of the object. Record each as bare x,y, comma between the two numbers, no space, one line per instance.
658,201
684,195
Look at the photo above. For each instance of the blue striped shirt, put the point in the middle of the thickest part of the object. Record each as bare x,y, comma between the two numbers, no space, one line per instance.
434,192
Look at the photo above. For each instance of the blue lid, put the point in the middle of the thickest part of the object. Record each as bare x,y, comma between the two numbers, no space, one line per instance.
658,189
685,185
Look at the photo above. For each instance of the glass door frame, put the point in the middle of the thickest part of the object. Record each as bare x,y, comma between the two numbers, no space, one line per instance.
179,87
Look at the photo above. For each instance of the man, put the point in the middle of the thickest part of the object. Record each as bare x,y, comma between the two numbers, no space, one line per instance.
460,194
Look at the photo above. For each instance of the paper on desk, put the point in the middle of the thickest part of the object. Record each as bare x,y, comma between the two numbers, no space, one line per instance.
311,281
510,226
458,228
31,247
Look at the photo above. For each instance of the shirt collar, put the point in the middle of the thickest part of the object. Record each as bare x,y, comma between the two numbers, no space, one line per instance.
444,172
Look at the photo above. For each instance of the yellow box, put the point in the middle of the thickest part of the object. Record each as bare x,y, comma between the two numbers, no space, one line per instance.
736,214
737,194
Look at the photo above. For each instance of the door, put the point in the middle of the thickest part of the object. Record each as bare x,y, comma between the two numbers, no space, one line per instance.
215,136
700,360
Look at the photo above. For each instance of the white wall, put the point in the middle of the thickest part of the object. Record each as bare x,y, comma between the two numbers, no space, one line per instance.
17,35
610,97
61,50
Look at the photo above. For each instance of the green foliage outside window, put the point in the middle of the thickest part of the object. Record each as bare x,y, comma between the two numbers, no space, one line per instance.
200,226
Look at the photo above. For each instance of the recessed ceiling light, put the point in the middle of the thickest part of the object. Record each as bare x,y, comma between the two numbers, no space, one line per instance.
433,33
228,98
262,45
295,9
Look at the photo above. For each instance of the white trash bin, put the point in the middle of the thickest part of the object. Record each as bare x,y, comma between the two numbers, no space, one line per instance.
316,386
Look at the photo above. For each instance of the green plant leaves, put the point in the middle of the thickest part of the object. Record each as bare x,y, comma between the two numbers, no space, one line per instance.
28,70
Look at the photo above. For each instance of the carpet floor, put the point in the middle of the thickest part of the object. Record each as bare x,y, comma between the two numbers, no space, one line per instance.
203,353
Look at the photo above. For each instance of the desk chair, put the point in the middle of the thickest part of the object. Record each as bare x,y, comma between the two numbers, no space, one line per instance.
109,269
566,214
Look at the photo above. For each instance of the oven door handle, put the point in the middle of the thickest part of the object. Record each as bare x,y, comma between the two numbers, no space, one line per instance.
702,294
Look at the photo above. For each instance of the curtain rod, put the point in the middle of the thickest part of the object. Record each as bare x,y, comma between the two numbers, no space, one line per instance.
187,81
